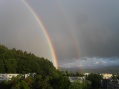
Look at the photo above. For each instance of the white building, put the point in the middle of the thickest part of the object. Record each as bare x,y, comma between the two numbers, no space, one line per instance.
107,76
73,79
86,74
7,76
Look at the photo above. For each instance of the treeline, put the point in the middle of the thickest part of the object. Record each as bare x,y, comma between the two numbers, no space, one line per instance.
47,82
73,74
36,82
93,81
18,61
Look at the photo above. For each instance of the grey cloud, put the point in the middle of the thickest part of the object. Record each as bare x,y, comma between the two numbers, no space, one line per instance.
93,62
97,30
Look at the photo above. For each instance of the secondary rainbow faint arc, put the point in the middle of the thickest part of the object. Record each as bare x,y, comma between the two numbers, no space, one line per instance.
45,32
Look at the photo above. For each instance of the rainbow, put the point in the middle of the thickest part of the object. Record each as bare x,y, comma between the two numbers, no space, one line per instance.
55,61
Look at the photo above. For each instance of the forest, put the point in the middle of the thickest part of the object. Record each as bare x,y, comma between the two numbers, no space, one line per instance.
18,61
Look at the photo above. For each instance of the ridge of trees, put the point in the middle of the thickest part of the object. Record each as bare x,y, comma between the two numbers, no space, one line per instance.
18,61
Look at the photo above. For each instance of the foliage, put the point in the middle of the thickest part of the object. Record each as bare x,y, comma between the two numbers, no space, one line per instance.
36,82
95,80
60,83
21,85
17,61
66,73
80,85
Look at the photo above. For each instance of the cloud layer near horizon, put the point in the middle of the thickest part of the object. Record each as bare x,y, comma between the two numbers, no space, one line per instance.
93,63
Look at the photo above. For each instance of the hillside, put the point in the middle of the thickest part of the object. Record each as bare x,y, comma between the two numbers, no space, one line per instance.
17,61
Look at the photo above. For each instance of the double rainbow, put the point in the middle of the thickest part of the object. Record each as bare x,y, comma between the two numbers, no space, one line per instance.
55,61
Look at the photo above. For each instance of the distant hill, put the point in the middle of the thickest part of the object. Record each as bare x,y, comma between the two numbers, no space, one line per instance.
18,61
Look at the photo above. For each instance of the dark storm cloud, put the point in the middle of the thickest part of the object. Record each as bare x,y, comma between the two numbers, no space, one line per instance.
90,62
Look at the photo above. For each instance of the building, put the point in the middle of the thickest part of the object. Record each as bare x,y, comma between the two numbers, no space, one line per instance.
105,83
86,74
110,84
7,77
73,79
107,76
114,84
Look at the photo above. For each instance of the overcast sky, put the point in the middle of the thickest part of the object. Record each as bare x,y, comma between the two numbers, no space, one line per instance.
85,33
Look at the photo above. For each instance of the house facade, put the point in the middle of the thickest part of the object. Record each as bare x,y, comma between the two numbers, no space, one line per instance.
7,77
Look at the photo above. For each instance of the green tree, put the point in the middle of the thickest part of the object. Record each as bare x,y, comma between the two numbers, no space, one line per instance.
42,83
1,66
10,65
75,85
95,80
21,85
5,85
60,83
80,85
30,81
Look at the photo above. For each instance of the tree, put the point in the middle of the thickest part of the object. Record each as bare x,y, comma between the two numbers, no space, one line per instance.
1,66
75,85
10,65
60,83
86,84
95,80
30,81
80,85
42,83
21,85
5,85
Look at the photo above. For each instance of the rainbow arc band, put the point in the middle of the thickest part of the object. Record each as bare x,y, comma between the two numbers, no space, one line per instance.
45,32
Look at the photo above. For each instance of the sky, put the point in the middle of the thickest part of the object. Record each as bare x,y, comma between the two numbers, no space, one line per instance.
84,33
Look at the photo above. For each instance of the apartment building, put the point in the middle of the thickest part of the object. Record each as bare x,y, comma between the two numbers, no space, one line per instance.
7,76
